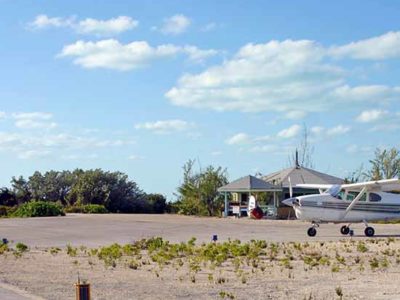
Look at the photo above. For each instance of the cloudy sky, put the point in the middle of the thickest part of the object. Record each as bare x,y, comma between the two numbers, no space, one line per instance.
143,86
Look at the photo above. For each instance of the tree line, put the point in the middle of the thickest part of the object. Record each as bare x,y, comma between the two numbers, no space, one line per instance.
78,188
196,195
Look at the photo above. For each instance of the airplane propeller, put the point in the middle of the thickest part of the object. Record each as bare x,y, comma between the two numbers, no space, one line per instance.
292,200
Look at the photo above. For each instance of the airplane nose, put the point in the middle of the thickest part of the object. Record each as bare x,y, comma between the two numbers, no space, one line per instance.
291,202
288,202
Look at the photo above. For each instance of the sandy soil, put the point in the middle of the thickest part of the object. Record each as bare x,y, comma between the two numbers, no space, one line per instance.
367,269
97,230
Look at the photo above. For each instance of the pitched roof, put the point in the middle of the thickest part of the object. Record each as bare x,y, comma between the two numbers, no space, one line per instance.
249,183
301,175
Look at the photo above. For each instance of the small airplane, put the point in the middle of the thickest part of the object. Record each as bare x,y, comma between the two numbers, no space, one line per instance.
347,203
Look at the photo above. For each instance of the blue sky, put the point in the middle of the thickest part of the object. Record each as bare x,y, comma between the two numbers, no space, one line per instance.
143,86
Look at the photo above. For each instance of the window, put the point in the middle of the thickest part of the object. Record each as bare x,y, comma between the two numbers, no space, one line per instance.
352,195
374,197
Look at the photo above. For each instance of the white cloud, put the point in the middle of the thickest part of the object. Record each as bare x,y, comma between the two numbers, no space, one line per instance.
2,114
175,25
290,132
358,149
371,115
295,114
32,124
377,48
111,54
108,27
32,116
135,157
265,148
238,139
338,130
43,21
320,131
198,55
33,154
280,76
165,126
34,120
209,27
317,129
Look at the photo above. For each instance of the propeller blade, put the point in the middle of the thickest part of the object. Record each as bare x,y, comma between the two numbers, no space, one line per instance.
290,188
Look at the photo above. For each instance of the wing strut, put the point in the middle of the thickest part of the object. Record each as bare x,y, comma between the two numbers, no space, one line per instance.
356,199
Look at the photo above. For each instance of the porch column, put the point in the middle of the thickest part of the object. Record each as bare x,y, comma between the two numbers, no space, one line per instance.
226,205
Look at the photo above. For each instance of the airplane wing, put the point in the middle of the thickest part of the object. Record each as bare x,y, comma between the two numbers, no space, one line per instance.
384,185
314,186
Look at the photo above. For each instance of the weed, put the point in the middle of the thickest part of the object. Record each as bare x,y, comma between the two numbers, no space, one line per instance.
361,247
21,247
335,269
374,263
72,251
339,292
54,250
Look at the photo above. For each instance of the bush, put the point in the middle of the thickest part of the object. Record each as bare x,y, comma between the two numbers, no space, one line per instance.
6,211
39,209
87,209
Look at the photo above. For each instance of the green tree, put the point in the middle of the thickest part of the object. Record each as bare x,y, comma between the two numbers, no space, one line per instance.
7,197
198,194
157,203
385,165
20,189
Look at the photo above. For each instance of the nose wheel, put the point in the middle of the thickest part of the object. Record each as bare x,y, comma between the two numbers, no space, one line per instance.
345,230
312,231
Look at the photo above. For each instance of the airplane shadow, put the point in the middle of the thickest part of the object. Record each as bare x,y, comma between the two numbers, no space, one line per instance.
387,235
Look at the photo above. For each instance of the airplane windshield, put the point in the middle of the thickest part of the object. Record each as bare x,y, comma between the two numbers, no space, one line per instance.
334,190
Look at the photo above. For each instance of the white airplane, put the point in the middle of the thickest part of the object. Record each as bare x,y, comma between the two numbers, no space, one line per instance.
347,203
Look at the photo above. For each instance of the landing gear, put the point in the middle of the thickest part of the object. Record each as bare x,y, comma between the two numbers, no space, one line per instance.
369,231
345,230
311,231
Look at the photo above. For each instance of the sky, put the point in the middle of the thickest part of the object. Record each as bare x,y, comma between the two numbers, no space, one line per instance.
143,86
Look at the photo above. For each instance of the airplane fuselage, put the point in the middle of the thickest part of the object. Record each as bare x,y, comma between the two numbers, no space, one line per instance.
326,208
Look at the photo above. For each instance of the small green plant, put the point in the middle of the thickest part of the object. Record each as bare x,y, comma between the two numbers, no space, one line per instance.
361,247
3,248
72,251
374,263
335,269
339,292
54,250
21,247
224,295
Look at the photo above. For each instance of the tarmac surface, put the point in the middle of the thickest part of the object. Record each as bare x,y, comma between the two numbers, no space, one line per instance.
97,230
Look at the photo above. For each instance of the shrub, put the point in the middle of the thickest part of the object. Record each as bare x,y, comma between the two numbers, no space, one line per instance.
39,209
21,247
87,209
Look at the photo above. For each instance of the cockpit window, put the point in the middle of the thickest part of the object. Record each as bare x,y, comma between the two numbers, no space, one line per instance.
334,190
374,197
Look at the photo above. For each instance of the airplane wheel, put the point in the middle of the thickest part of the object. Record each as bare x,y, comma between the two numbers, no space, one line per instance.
345,230
369,231
311,231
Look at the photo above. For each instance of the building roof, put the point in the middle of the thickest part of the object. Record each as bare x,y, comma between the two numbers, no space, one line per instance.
249,183
300,175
